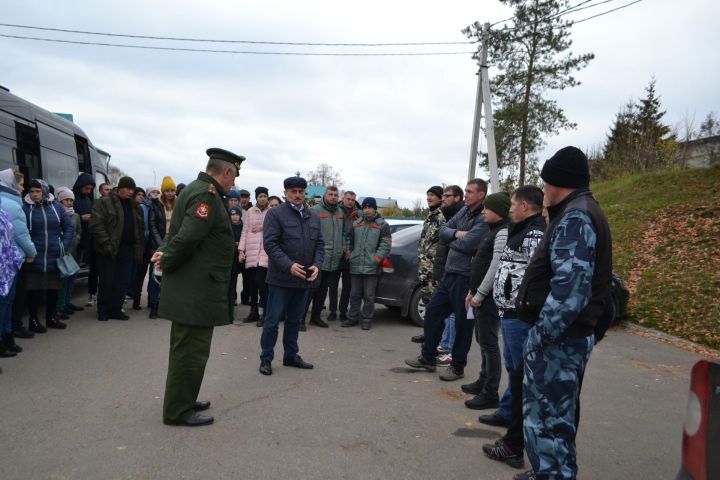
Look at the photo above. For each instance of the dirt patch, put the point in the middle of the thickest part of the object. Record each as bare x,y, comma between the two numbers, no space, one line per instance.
452,394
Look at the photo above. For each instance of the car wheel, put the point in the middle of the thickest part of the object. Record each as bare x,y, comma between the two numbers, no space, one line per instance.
417,308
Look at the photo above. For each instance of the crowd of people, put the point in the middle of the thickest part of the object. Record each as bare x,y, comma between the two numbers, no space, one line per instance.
535,265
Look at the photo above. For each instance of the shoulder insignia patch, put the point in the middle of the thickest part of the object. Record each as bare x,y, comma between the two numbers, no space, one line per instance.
212,189
202,211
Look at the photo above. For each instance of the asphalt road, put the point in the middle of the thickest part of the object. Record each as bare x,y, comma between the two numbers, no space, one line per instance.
85,403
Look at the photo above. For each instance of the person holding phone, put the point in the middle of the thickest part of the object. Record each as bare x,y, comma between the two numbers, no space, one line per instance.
295,249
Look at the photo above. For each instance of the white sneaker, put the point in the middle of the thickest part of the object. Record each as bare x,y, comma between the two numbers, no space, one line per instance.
92,300
444,360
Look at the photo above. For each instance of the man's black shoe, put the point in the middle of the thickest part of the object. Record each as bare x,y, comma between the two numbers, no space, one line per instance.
494,419
297,362
198,420
332,316
343,316
61,315
265,367
67,310
318,322
348,323
420,363
366,325
153,311
36,326
75,307
418,339
302,327
102,317
481,402
119,316
473,388
201,405
22,332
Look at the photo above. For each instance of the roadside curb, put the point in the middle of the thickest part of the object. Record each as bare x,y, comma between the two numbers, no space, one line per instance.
670,339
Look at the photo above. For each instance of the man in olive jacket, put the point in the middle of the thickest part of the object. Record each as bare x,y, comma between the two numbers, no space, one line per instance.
119,241
368,245
331,225
195,259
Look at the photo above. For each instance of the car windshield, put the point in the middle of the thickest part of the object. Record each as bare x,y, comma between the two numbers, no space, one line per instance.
407,235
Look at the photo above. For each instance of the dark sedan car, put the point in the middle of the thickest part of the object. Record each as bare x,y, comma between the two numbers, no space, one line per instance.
399,287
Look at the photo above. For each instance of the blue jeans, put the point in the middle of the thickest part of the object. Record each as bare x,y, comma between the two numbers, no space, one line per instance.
153,288
449,297
514,334
448,336
6,304
288,304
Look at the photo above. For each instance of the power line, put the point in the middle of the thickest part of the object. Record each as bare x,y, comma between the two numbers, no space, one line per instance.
237,52
207,40
606,12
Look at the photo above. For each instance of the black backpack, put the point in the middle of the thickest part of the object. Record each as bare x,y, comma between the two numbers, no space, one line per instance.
615,307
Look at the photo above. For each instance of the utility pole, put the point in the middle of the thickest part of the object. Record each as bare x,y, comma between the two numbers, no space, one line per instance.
489,125
484,100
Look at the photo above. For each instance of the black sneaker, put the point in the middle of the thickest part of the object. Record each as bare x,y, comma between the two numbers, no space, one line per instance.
420,363
500,452
482,402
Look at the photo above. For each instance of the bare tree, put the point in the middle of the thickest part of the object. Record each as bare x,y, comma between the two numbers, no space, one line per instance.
325,175
417,207
115,174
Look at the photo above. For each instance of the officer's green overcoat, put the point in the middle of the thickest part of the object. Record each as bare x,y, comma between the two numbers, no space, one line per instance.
197,258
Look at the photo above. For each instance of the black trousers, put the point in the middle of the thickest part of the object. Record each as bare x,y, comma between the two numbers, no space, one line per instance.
20,301
256,287
244,293
138,280
345,293
514,435
237,267
328,281
36,297
94,273
114,274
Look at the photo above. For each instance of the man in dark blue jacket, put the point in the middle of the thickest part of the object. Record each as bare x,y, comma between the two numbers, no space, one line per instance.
463,234
295,249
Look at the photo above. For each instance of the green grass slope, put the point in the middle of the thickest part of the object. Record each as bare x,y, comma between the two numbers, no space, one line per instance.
666,244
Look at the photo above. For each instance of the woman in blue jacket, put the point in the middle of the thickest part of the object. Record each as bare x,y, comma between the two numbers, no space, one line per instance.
51,232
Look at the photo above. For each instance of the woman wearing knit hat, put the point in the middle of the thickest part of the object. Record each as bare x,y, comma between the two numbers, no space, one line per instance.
167,187
64,303
487,318
52,233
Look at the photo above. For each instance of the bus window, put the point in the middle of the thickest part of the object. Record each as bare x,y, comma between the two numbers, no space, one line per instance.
27,154
61,168
83,155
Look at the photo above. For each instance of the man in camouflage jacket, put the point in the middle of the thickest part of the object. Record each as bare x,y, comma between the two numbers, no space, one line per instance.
429,241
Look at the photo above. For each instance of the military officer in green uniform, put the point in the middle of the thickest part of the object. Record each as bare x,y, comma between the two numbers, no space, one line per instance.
195,260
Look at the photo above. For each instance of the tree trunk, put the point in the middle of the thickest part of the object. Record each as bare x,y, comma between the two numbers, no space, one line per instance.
526,101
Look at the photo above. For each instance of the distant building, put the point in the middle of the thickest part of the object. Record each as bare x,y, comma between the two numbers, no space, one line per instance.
382,202
701,152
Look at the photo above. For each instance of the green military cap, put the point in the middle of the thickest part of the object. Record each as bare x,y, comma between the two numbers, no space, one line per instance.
226,156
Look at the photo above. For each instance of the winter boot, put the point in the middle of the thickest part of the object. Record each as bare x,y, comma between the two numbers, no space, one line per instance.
54,322
254,315
8,342
36,326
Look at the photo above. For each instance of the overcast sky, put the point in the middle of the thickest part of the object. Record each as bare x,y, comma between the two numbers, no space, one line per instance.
393,126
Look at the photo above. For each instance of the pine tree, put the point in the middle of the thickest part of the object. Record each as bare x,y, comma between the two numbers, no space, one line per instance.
532,58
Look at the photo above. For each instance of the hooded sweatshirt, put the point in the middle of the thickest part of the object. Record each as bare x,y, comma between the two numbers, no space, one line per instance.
12,205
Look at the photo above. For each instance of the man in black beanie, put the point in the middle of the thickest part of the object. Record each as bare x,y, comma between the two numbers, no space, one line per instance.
118,238
563,295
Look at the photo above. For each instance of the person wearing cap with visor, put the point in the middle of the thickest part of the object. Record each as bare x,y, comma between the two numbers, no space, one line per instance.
195,260
295,248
